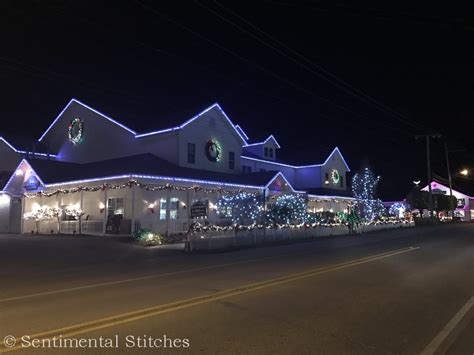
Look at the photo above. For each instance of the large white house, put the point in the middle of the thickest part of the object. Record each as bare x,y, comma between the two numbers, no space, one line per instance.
160,180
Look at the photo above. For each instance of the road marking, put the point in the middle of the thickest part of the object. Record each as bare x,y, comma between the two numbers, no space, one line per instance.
70,331
143,278
449,327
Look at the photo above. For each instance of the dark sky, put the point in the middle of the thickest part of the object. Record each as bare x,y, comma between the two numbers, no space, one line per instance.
155,64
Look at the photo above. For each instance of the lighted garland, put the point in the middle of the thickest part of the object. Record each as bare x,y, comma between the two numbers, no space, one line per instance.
75,131
203,228
130,184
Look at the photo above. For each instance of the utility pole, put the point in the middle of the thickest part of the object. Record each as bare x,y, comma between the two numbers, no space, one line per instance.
428,166
449,177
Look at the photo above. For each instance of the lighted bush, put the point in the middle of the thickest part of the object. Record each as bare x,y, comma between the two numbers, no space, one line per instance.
148,238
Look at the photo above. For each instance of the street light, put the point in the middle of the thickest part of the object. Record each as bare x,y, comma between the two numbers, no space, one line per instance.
464,172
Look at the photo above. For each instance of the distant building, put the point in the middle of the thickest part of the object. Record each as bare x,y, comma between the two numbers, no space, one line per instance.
160,180
465,203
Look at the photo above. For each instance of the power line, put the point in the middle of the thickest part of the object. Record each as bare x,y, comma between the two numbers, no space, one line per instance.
366,98
261,68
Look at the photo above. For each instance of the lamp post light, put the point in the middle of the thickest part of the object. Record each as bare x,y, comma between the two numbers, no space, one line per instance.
464,172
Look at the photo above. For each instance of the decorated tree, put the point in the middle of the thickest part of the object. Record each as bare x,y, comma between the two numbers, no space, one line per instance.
43,213
397,209
287,209
76,213
243,208
364,187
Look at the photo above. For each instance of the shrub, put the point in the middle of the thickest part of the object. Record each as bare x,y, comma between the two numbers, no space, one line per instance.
148,238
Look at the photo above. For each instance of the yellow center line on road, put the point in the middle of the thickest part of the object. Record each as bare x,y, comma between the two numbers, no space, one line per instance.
147,277
77,329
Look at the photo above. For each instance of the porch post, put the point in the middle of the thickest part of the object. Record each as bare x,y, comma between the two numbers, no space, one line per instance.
104,226
23,201
188,212
133,209
167,211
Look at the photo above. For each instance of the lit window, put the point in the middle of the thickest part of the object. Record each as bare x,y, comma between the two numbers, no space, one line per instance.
174,203
115,206
162,208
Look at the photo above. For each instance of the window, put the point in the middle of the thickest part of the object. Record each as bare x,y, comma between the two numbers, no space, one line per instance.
246,169
115,206
265,151
191,153
342,181
162,208
326,178
270,152
231,160
174,204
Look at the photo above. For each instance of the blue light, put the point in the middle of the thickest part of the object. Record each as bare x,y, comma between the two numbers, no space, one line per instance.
24,151
242,132
153,177
89,108
286,181
265,141
14,174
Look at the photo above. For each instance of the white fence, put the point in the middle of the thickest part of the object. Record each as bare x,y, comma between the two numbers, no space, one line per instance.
233,239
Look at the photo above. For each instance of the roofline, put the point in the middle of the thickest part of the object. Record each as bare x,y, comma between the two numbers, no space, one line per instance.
300,166
89,108
24,151
447,187
344,160
148,133
153,177
332,197
287,182
14,174
265,141
242,131
192,119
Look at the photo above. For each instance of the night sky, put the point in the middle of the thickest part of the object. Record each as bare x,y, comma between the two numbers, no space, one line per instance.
155,64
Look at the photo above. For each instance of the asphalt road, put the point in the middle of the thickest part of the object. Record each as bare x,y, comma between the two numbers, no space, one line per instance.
395,292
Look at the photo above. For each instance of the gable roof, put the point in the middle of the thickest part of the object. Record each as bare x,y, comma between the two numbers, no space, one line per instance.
464,187
270,137
75,101
237,127
33,148
251,156
213,106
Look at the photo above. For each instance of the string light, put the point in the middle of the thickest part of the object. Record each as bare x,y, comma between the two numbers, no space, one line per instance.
364,187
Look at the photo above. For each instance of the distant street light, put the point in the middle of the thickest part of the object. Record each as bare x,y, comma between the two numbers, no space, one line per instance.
464,172
417,182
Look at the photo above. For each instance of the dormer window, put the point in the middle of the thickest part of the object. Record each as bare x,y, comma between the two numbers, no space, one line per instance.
265,151
270,152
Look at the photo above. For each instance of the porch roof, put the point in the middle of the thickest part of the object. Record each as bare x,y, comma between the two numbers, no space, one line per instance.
54,172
